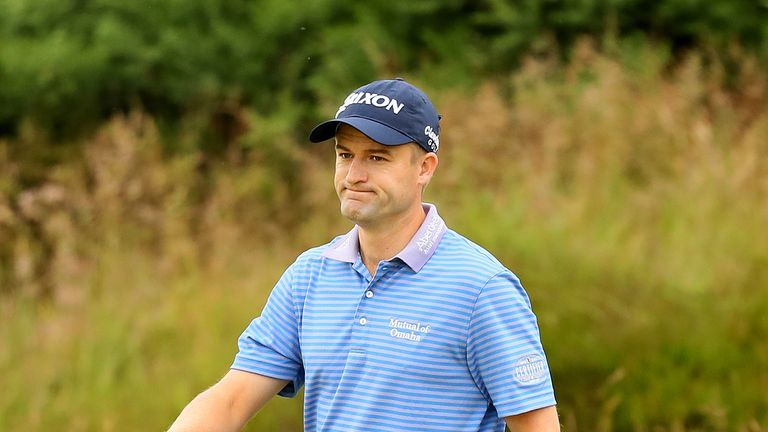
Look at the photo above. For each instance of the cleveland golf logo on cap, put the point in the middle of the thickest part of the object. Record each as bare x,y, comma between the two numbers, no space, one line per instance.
434,139
377,100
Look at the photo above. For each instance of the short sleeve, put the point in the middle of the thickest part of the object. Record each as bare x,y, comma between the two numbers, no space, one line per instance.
269,346
504,350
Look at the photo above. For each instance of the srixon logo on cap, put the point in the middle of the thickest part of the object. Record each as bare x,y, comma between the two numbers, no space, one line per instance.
377,100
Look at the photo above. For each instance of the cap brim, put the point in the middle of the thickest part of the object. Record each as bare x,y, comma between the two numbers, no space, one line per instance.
374,130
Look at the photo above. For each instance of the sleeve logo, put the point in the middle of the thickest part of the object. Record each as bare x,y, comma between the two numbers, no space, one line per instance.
530,369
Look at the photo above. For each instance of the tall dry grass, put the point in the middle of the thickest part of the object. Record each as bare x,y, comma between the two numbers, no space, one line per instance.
631,197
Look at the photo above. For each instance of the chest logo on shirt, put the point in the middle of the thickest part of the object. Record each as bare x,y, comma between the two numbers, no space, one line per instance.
412,331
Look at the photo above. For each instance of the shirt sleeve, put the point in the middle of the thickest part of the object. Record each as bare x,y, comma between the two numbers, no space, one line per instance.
269,346
504,351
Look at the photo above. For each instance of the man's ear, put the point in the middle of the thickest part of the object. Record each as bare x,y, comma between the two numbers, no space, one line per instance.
427,167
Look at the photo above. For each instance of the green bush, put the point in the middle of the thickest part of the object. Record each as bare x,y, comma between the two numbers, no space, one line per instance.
68,64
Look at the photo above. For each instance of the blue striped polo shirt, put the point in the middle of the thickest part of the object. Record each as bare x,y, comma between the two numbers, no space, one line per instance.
441,338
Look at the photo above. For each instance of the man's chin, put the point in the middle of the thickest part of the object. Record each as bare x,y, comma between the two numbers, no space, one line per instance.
355,212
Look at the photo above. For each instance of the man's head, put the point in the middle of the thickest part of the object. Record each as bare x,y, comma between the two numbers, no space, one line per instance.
386,134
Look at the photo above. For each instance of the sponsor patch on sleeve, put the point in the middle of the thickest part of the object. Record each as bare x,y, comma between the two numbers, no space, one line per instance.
530,369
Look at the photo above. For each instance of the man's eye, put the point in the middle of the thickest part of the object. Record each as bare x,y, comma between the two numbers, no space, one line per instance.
377,158
345,155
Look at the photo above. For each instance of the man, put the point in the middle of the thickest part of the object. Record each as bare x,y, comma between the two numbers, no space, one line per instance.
401,324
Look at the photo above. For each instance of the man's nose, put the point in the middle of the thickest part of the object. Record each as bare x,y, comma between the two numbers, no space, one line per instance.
356,172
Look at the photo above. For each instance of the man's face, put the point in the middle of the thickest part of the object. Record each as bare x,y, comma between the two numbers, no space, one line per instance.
377,183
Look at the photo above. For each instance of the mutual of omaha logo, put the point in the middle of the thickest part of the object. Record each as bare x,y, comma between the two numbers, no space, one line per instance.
530,369
412,331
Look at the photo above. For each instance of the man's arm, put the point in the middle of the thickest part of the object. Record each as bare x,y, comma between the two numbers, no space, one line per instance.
540,420
229,404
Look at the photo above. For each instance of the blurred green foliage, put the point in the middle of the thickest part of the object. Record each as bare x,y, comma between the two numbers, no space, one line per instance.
631,200
66,65
624,182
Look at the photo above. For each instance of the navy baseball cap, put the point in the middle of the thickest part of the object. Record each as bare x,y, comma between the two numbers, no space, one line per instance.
390,112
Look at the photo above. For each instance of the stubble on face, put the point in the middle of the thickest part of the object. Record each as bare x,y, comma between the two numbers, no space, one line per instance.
357,206
373,192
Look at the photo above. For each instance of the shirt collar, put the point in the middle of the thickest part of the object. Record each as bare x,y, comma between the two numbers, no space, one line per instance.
345,248
415,254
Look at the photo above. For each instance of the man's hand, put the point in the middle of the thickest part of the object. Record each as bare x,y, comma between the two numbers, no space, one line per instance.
229,404
540,420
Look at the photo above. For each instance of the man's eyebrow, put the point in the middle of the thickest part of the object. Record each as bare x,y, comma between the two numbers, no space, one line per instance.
382,150
341,147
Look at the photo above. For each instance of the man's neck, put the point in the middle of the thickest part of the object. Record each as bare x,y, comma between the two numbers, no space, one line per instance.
384,241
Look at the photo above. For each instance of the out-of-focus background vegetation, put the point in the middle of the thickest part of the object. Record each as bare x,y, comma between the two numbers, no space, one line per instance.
155,180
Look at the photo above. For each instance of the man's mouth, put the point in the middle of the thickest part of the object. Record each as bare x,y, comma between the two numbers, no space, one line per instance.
357,192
